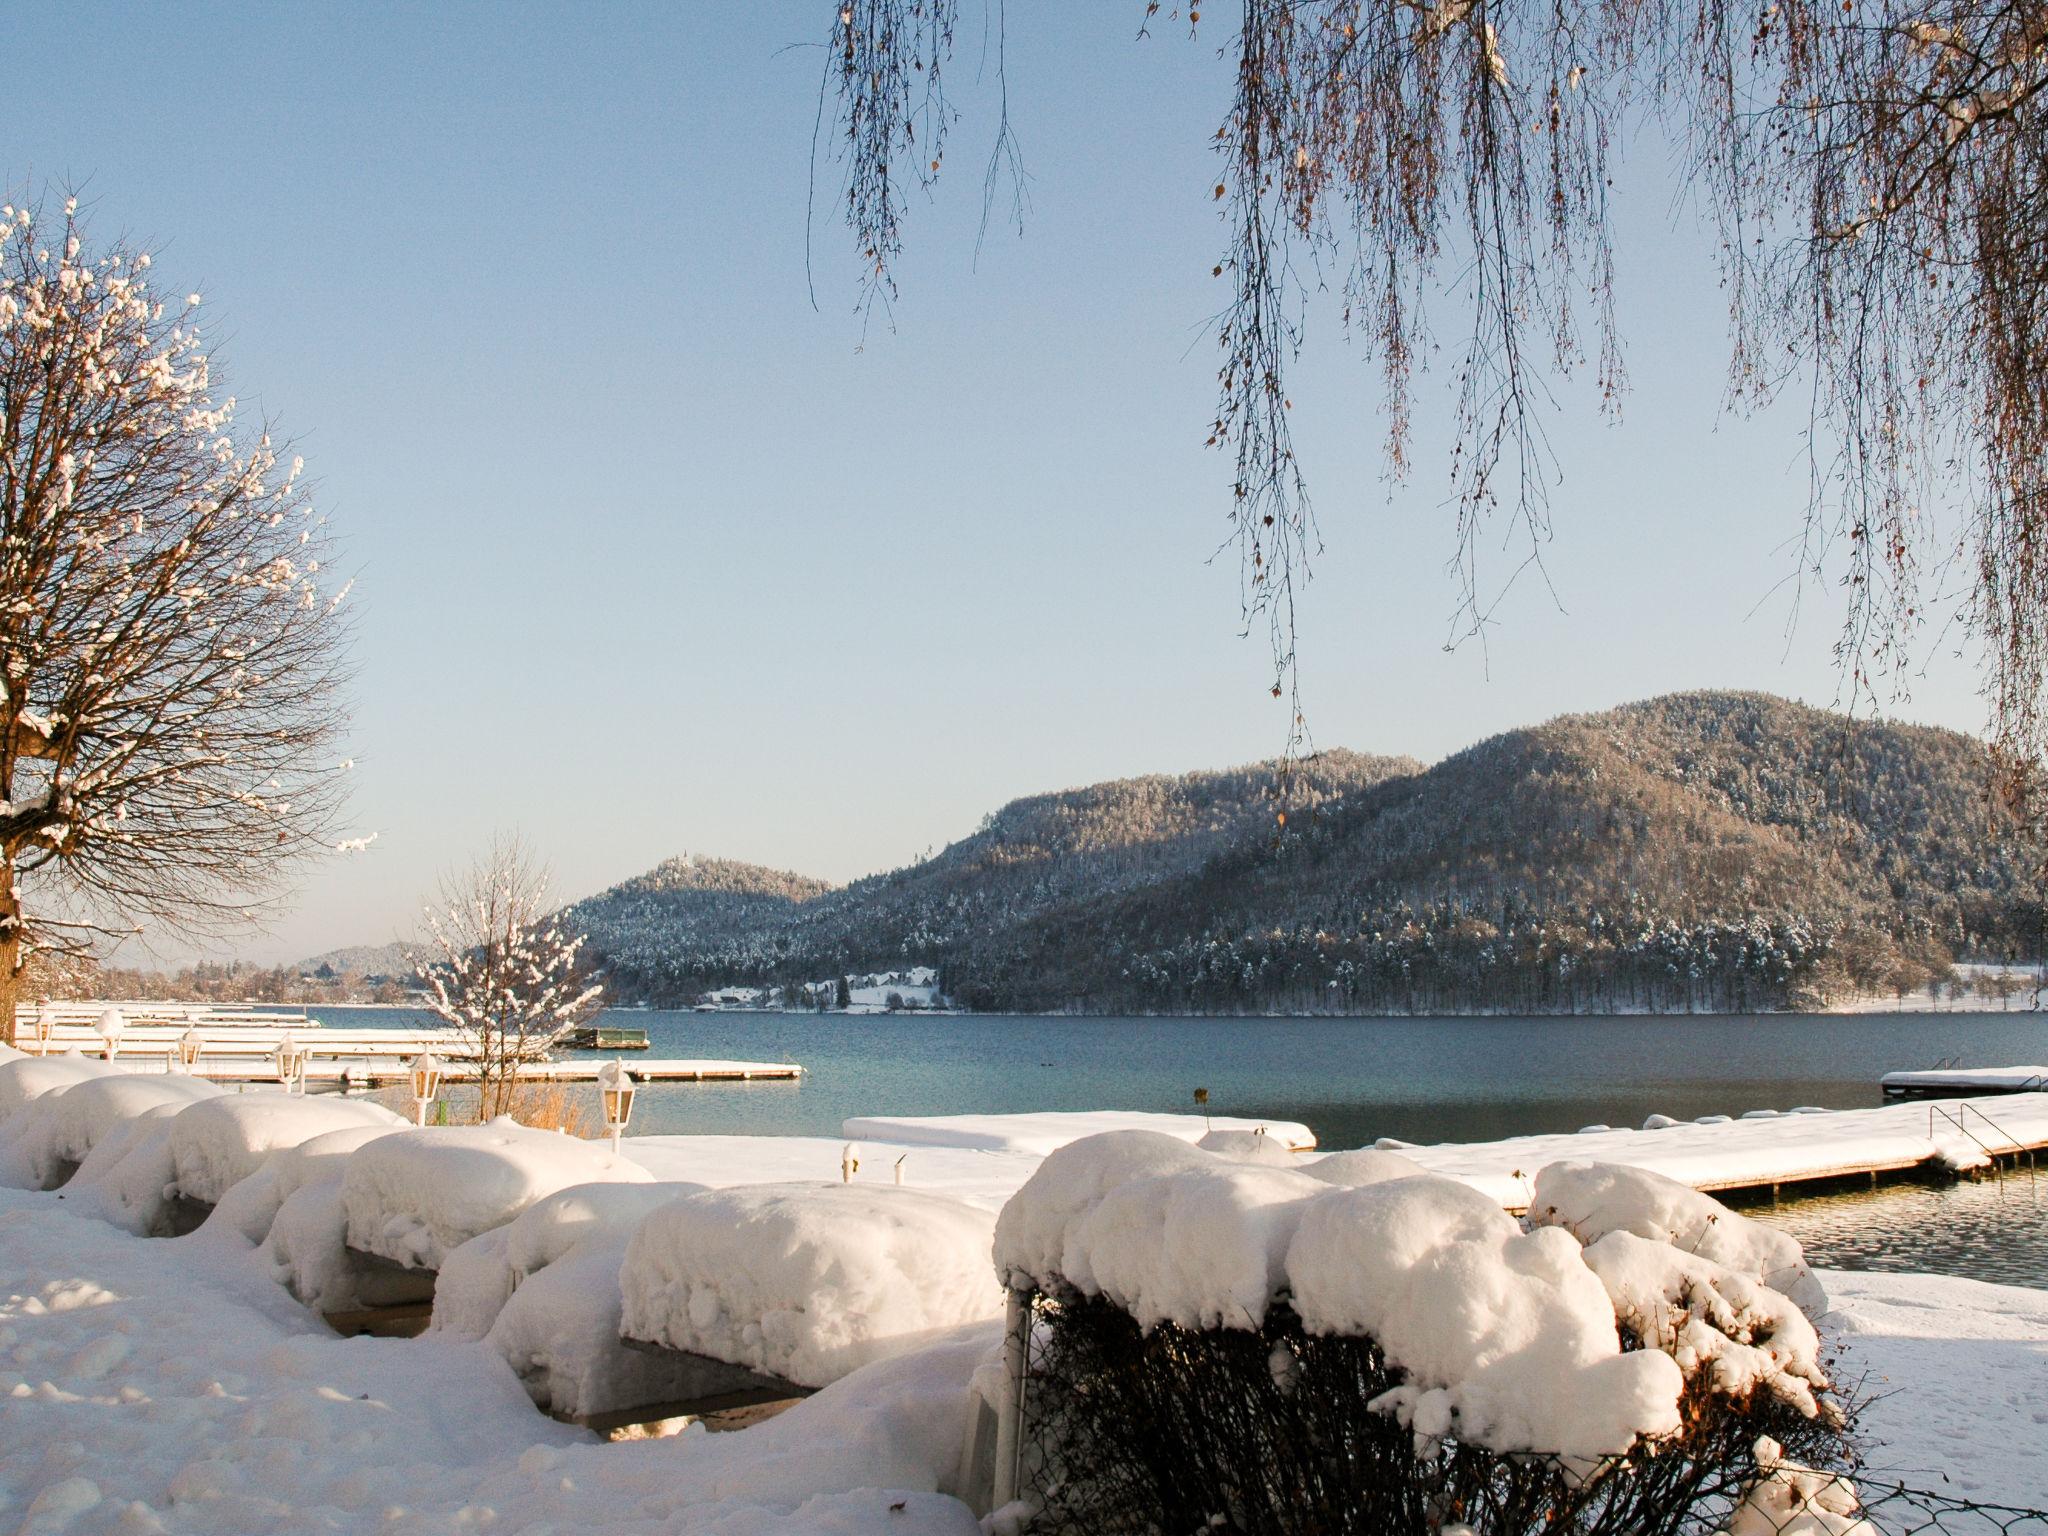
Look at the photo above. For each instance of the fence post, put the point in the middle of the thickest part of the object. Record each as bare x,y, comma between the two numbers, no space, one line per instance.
1010,1413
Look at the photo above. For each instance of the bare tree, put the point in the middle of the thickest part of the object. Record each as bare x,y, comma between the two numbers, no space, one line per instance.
506,977
1876,172
169,653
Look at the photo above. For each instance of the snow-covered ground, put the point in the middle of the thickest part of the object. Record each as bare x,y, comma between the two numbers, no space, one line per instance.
179,1384
168,1386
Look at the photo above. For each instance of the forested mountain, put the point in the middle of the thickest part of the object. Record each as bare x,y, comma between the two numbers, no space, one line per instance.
1702,849
689,922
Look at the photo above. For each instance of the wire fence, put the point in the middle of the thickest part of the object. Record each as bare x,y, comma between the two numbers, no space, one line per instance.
1901,1509
1273,1432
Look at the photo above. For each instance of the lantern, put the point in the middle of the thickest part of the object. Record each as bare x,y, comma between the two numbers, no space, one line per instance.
849,1162
190,1044
426,1083
291,1063
615,1088
110,1027
46,1026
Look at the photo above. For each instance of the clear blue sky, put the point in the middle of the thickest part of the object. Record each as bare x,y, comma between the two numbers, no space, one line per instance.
653,556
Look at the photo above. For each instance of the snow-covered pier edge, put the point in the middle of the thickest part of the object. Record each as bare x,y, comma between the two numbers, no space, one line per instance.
1766,1150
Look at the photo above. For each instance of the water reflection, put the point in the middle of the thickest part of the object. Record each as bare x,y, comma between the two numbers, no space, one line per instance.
1994,1228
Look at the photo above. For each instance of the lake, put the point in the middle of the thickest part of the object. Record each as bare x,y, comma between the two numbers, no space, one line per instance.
1352,1080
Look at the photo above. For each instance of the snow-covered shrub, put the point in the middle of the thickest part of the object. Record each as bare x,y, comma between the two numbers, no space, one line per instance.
1223,1346
1591,1200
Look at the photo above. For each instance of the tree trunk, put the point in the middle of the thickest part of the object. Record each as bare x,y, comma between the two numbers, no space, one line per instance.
10,952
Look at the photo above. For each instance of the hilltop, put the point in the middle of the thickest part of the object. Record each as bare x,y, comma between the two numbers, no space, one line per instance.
1695,850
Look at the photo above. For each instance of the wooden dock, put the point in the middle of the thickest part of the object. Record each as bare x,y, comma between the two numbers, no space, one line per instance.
240,1046
1953,1082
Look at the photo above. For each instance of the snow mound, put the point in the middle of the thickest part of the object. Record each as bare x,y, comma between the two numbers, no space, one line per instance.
125,1180
559,1331
1046,1132
1507,1338
251,1204
1354,1170
473,1285
217,1144
1710,1318
1593,1199
549,1228
1789,1499
1031,1231
415,1196
477,1279
53,1135
1249,1147
25,1078
807,1282
1168,1232
307,1249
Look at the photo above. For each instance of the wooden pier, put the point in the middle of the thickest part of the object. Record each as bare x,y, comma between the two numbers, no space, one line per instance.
1951,1082
240,1045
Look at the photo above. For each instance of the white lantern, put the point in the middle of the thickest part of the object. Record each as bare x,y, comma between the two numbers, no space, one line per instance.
849,1162
46,1026
615,1088
426,1083
291,1063
190,1044
110,1027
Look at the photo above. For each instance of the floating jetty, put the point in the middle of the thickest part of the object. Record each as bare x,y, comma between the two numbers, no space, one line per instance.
240,1045
1766,1151
1947,1082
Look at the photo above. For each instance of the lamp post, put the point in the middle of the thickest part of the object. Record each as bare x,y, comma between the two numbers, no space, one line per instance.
110,1027
190,1044
291,1063
46,1026
615,1089
426,1084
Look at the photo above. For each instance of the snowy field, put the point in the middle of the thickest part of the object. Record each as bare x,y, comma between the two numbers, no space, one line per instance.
152,1386
187,1384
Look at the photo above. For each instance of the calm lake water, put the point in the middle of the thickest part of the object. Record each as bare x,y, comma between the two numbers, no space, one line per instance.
1352,1080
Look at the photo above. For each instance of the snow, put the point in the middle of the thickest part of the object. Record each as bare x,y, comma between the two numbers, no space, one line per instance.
1168,1232
306,1249
982,1178
1253,1146
414,1196
478,1278
559,1332
807,1282
1507,1338
163,1387
23,1078
53,1133
1711,1318
216,1145
1049,1131
1366,1166
250,1206
1789,1498
1592,1200
1958,1079
1954,1380
1719,1153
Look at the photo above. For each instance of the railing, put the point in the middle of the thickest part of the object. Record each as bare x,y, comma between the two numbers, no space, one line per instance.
1958,1118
